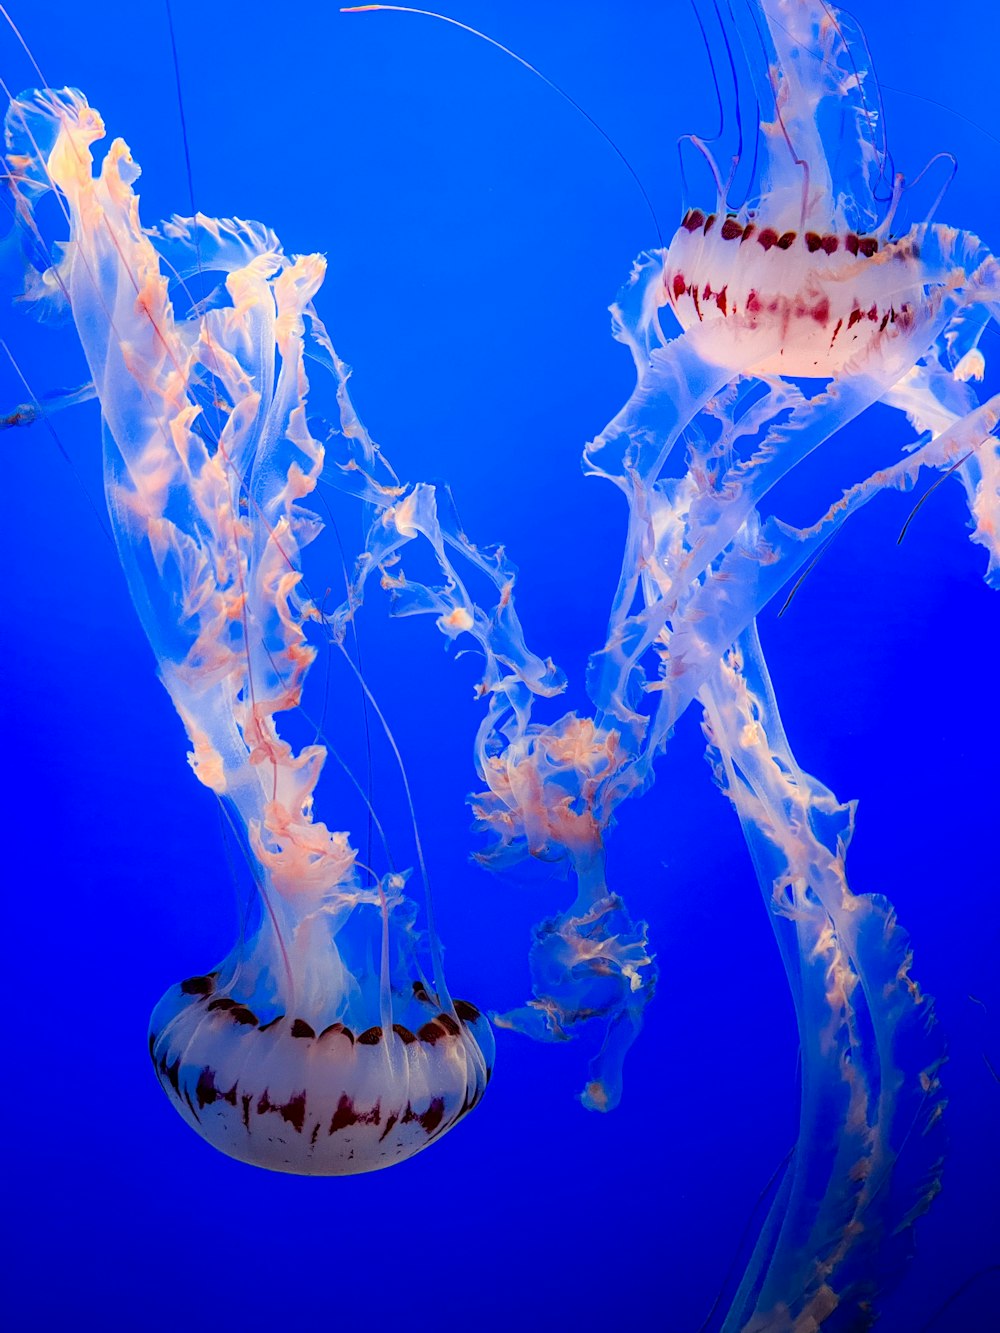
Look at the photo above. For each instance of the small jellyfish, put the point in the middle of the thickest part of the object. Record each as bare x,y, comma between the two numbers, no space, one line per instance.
326,1043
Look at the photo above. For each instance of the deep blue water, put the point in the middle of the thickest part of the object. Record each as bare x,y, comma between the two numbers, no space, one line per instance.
477,228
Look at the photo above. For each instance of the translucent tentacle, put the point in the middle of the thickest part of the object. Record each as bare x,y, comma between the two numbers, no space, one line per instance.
870,1050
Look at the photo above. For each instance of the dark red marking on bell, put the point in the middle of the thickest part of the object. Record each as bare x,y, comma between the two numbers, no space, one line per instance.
187,1098
867,245
873,313
821,311
431,1032
273,1022
241,1014
337,1028
223,1002
720,301
345,1115
449,1024
748,231
246,1099
829,244
707,293
693,219
404,1034
388,1126
314,1135
785,240
731,229
753,304
467,1012
198,986
839,326
294,1111
855,317
767,238
170,1073
421,993
206,1092
370,1036
433,1116
680,287
813,241
709,223
697,303
885,321
851,243
300,1028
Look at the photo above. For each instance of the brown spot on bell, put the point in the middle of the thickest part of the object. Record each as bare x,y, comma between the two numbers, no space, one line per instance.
294,1111
432,1117
338,1028
198,986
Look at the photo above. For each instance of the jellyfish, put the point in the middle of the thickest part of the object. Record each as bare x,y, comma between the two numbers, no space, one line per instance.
798,310
326,1042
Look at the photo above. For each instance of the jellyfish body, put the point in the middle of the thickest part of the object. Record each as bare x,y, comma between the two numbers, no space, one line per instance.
327,1042
805,280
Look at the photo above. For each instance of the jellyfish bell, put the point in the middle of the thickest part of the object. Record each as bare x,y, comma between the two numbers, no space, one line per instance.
803,303
287,1058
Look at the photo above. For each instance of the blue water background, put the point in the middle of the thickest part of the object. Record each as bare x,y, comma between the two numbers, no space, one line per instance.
477,228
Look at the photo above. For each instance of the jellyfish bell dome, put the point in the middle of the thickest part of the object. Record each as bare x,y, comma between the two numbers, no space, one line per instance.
295,1057
775,299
